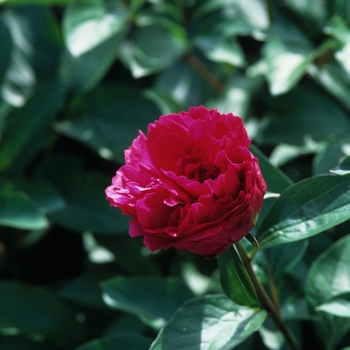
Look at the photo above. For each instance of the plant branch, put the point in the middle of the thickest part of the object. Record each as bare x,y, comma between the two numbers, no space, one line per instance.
204,72
265,299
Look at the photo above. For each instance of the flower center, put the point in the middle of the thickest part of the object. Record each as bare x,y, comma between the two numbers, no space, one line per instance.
204,171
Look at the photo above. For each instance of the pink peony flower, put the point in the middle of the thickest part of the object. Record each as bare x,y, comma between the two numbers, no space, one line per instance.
191,183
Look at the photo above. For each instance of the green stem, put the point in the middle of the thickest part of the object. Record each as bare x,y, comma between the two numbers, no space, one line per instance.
265,299
203,71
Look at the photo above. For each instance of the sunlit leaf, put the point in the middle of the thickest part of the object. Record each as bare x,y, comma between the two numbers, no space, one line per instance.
254,12
343,168
209,322
305,209
339,306
155,48
19,81
286,64
20,211
220,49
88,23
184,84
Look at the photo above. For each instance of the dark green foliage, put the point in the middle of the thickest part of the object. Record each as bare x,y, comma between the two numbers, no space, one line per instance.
79,79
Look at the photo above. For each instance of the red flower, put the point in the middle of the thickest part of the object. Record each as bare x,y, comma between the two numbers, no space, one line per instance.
191,183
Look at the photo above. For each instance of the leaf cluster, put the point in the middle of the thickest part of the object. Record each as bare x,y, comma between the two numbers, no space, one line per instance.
78,79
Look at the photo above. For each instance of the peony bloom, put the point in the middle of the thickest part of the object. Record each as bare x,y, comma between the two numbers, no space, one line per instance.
191,183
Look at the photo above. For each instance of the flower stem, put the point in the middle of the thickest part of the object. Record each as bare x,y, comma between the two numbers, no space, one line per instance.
203,71
265,299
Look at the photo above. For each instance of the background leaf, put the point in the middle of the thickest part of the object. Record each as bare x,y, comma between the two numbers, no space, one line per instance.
18,210
110,120
154,300
39,313
327,280
118,341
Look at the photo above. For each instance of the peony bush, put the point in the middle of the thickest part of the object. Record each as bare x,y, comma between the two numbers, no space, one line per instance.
239,225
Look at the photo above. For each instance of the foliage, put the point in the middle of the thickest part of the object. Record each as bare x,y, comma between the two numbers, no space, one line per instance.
78,79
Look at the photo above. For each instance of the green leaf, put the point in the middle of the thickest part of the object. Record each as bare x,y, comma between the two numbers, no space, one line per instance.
129,255
235,281
306,209
339,306
153,299
343,168
33,2
84,290
43,194
209,322
87,208
12,342
286,64
299,112
329,279
236,98
253,12
111,119
166,103
6,44
329,275
155,48
312,13
184,84
34,311
339,29
332,78
220,17
284,28
19,81
125,323
85,71
89,23
94,31
128,341
330,156
220,49
275,179
19,211
270,335
283,258
284,153
20,129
